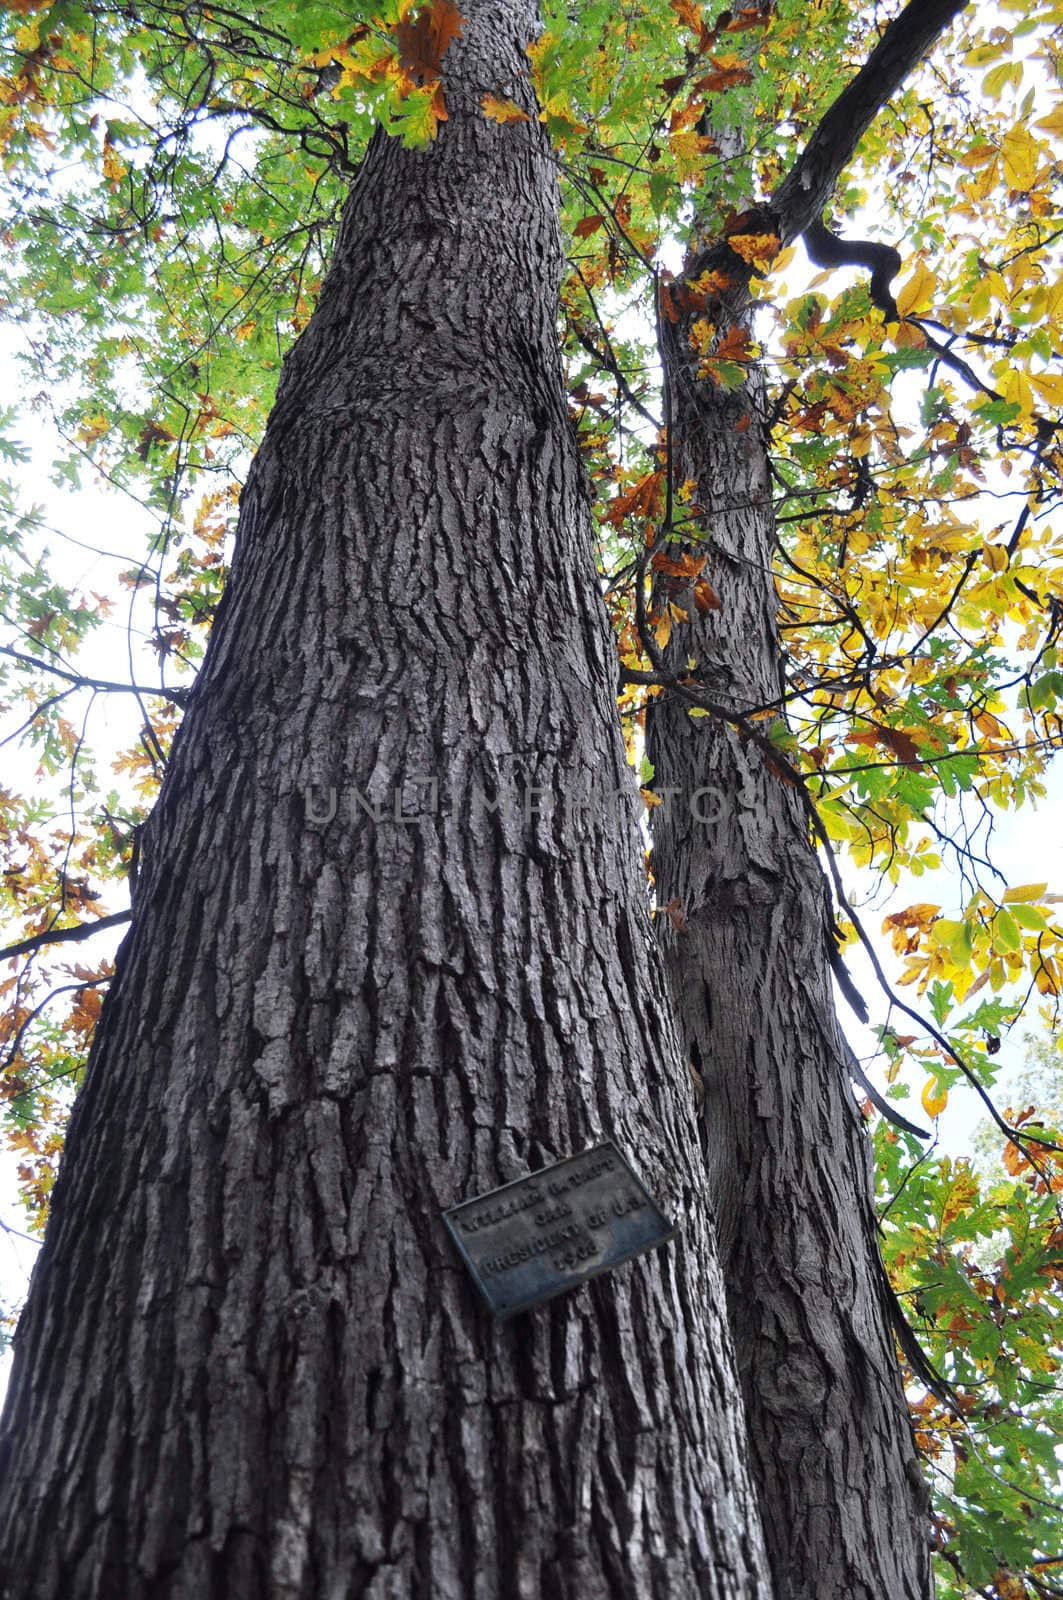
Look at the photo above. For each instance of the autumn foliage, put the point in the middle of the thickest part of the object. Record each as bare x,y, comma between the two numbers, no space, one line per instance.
916,466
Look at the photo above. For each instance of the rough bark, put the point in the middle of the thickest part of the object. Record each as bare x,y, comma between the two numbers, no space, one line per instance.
844,1505
250,1364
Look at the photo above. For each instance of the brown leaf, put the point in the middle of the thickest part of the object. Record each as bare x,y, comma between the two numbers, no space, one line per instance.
687,12
423,39
668,305
675,914
640,501
734,346
151,433
902,744
688,565
750,17
723,78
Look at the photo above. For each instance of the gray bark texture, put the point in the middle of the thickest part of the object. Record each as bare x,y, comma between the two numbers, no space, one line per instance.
251,1364
844,1506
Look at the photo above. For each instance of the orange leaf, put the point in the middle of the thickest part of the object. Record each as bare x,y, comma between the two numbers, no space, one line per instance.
724,78
641,501
987,724
734,346
423,41
498,109
705,597
748,17
754,247
588,225
687,566
685,116
691,16
1013,1159
708,286
668,305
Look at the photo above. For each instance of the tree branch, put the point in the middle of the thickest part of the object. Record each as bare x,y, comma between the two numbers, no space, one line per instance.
179,697
83,930
805,190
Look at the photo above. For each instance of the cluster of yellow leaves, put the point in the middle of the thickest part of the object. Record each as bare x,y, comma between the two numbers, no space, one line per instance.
889,554
992,943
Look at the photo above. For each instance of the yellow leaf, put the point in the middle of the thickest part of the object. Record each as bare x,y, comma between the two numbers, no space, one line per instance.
1021,156
114,168
983,54
1049,385
688,147
995,556
987,724
917,293
934,1102
1008,73
93,428
499,109
977,188
1024,891
978,155
1015,387
962,1191
955,937
1053,123
758,249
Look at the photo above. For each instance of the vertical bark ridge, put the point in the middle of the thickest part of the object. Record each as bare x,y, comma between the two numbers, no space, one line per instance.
250,1363
844,1506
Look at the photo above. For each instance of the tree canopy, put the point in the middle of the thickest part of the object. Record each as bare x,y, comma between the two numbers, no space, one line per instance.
173,175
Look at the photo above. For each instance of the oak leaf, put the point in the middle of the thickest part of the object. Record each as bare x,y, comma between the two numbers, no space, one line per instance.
499,109
756,249
423,41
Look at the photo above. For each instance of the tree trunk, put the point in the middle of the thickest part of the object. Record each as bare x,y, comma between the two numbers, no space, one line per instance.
251,1364
843,1502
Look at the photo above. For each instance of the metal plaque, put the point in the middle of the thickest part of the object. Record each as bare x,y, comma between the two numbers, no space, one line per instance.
554,1229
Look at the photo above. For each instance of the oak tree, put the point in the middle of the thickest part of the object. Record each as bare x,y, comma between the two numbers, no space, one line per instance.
389,941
